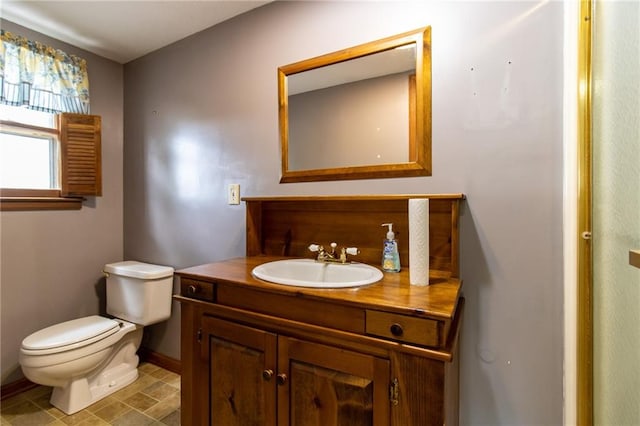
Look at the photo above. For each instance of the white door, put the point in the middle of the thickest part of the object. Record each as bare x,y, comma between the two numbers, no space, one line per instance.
616,212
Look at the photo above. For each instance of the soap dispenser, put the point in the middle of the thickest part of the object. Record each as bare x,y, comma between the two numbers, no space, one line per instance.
390,255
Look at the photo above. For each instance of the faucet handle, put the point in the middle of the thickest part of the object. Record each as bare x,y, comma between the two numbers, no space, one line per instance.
314,247
353,251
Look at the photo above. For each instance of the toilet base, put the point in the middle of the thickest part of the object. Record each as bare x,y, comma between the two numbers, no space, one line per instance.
118,371
79,394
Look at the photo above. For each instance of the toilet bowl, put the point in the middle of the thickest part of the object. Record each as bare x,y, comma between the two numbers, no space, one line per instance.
88,358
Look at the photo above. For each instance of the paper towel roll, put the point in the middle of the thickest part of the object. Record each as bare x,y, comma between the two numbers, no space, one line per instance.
419,241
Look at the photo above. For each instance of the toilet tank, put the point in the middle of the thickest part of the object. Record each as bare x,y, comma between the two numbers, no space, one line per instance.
139,292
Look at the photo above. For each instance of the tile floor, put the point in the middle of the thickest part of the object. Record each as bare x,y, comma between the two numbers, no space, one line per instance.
153,399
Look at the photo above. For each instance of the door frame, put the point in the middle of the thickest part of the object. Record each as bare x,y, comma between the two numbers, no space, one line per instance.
584,372
578,251
577,216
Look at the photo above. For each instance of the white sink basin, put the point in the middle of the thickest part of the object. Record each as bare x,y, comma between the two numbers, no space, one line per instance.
309,273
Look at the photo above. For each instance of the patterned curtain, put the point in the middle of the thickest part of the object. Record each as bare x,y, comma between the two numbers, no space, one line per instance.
40,77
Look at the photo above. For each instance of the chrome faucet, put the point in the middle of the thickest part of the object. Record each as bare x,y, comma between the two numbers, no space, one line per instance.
332,256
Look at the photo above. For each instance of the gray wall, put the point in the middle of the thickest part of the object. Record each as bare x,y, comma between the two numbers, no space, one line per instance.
202,113
51,261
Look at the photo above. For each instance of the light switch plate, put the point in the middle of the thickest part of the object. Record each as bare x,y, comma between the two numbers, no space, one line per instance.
233,195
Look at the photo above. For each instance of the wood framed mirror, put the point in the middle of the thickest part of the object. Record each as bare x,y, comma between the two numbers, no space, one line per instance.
358,113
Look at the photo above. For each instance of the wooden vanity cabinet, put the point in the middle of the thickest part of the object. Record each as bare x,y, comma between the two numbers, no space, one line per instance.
256,353
272,366
260,378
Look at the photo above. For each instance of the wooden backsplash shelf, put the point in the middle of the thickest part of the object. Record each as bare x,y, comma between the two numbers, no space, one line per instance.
285,226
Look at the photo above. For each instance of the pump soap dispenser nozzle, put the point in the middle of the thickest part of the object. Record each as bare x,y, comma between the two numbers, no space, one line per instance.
390,234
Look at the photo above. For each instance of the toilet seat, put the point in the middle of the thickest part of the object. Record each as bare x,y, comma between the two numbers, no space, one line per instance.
69,335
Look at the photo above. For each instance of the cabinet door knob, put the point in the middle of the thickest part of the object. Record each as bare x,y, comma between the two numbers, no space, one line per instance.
396,329
267,375
192,289
281,379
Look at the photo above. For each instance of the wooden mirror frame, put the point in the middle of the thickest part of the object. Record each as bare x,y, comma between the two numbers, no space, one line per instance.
419,163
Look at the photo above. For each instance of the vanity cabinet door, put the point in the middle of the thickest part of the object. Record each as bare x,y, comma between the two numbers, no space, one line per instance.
242,363
321,385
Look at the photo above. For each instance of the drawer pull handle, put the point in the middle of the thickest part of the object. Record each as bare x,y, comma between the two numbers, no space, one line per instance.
396,329
192,289
267,375
281,379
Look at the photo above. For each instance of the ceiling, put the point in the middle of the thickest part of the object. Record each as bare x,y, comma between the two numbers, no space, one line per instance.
121,30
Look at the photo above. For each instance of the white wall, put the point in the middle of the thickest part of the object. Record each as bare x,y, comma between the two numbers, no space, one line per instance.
51,261
616,213
202,113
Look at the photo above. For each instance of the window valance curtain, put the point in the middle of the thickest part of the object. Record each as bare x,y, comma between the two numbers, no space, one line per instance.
41,77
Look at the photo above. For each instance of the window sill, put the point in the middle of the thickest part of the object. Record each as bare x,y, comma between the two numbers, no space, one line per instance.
39,203
27,200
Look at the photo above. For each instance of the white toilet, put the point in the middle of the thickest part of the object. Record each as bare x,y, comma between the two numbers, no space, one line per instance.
89,358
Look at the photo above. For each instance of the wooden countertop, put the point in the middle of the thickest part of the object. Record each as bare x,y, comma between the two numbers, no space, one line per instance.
393,293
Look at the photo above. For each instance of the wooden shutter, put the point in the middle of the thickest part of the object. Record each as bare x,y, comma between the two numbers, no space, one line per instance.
80,149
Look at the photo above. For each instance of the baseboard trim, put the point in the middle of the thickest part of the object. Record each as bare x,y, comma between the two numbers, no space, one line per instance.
14,388
146,355
166,362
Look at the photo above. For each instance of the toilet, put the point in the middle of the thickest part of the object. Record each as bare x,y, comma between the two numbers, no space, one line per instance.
89,358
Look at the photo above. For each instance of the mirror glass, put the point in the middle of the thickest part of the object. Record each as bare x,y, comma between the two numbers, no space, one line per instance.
363,112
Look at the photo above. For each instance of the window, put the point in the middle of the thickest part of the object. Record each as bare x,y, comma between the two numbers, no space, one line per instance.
49,148
48,161
28,155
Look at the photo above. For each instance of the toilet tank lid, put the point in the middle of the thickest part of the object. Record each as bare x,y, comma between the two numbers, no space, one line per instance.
141,270
75,332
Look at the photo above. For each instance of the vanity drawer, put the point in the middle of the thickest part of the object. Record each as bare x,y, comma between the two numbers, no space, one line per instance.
196,289
420,331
